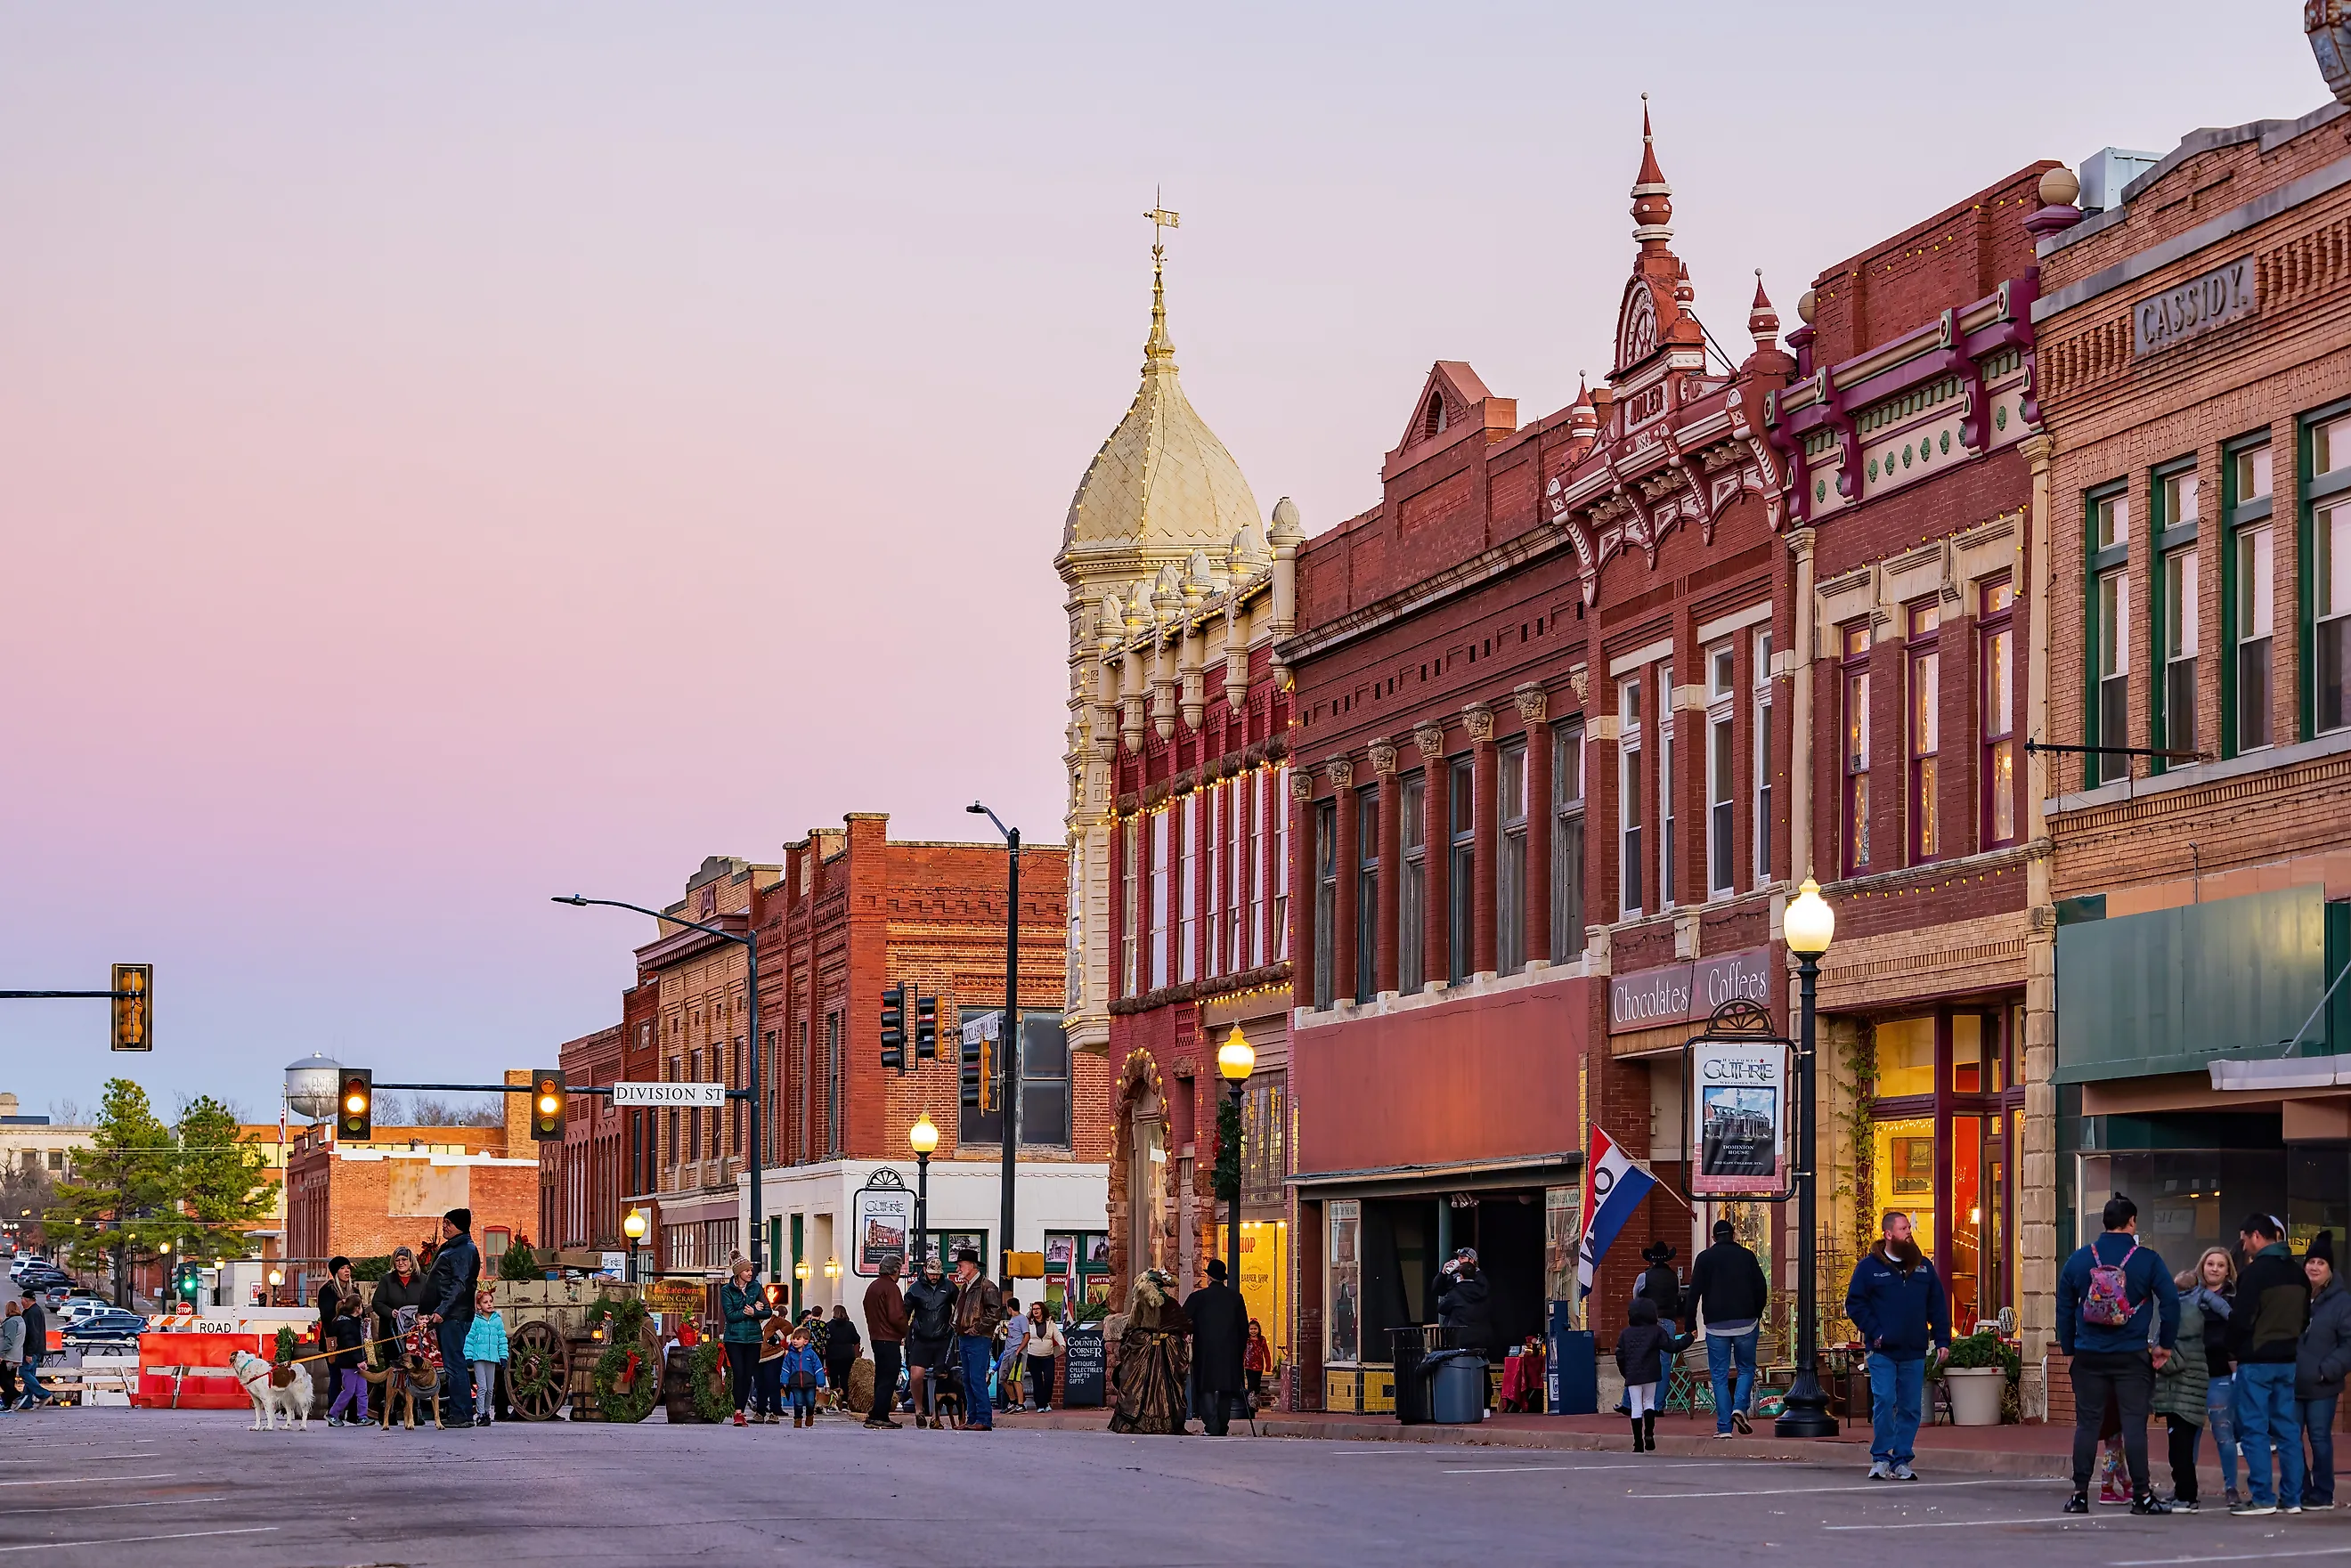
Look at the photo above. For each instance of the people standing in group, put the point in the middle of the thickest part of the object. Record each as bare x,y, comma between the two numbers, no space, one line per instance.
1220,1320
1044,1348
1729,1295
1153,1359
335,1296
930,1336
841,1345
2113,1298
1897,1302
2265,1340
12,1354
2213,1294
1644,1345
2183,1390
449,1288
403,1286
347,1335
885,1321
743,1311
36,1347
2320,1362
1661,1286
1012,1342
486,1350
979,1308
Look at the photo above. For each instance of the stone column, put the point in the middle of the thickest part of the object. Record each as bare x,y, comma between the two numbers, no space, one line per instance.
1534,711
1391,851
1436,961
1301,807
1347,852
2036,1186
1479,720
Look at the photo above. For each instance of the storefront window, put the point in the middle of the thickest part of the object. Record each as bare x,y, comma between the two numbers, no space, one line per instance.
1904,1154
1344,1283
1562,1228
1906,1058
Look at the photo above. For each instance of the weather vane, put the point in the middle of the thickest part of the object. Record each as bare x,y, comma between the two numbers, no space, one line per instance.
1161,221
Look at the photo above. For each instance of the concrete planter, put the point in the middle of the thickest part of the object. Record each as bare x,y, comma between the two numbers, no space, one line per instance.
1975,1394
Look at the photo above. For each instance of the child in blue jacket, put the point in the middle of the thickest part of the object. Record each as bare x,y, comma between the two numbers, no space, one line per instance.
802,1374
486,1350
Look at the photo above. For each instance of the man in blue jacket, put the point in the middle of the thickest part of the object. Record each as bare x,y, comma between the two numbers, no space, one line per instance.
1897,1302
2107,1339
449,1309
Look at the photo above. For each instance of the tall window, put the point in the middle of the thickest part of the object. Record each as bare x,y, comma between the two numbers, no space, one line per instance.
1566,842
1460,893
1187,888
2246,594
1326,900
1763,758
832,1106
2109,635
1238,801
801,1150
1665,786
2329,494
1855,727
1996,637
1278,808
1044,1081
1367,893
1161,895
1412,893
2171,695
1628,793
1926,726
1130,906
1721,765
1511,874
693,1115
1213,843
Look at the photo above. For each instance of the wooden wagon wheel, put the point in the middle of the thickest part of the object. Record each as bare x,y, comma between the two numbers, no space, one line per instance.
539,1377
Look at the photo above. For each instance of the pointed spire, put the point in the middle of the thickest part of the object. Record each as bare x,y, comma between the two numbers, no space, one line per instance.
1763,321
1650,174
1653,199
1582,417
1158,350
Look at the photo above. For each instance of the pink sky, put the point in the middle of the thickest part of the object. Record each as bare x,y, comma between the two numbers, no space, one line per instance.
462,454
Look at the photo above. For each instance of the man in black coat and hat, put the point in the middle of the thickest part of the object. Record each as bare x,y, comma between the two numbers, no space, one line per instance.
1465,1302
449,1308
1219,1333
1661,1285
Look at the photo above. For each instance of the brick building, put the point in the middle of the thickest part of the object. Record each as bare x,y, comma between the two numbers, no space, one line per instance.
583,1179
1538,756
1918,671
853,912
2196,353
364,1200
1177,829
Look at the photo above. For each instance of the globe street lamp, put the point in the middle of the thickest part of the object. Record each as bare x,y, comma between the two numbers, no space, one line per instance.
1808,924
1236,1060
922,1137
633,1227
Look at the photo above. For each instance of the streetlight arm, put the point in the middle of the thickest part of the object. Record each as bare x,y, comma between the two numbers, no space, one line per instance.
718,931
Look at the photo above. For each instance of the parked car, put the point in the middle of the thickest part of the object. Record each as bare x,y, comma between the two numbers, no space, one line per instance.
108,1325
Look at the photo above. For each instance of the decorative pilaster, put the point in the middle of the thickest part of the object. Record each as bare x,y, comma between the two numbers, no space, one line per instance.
1437,960
1301,807
1346,855
1391,854
1534,711
1478,719
2036,1186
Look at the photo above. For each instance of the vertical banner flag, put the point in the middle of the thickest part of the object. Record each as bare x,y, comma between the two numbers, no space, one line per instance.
1613,1187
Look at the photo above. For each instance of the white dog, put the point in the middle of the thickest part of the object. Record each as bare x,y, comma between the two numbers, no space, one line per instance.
293,1401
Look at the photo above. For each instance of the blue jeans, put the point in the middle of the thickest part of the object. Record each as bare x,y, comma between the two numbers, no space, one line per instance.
978,1353
2318,1417
2267,1420
1897,1398
1665,1361
1721,1351
456,1389
2221,1418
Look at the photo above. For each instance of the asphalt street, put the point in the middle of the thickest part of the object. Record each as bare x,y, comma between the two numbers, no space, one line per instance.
81,1486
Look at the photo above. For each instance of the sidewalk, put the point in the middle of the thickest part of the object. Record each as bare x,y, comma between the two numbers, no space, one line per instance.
2037,1450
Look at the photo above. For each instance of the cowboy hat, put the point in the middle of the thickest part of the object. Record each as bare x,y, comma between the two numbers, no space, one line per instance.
1656,1252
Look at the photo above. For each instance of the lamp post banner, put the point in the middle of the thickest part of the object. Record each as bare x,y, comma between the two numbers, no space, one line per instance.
1738,1118
711,1095
885,1218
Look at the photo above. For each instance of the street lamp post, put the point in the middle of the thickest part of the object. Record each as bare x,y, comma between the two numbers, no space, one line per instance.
749,941
922,1137
1236,1060
633,1227
1009,1035
1809,925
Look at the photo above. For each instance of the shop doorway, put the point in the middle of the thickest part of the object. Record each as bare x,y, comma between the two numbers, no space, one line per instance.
1403,1240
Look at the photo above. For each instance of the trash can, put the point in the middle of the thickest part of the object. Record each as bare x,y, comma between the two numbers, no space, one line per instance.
1411,1348
1456,1381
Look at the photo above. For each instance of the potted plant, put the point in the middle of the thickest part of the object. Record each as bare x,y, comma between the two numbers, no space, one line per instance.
1980,1368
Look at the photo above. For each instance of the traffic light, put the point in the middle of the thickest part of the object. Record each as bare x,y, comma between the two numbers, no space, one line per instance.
134,1008
894,1029
355,1105
926,1027
189,1282
977,1071
547,1100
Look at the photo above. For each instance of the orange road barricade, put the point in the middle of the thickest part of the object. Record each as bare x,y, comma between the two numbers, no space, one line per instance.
191,1370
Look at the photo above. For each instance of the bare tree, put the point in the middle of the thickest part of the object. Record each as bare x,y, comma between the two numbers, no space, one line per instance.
463,1110
69,1113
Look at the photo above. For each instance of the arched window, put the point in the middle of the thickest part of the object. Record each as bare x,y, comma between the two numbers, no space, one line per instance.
1434,420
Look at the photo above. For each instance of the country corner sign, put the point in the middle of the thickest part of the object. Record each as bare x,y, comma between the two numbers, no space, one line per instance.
1738,1117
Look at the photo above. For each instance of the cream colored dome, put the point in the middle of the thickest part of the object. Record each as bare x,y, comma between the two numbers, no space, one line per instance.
1163,482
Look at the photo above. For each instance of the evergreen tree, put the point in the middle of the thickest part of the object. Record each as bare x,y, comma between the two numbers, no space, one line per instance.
119,1205
216,1180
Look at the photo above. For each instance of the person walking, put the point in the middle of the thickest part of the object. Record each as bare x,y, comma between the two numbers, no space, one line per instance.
36,1345
1257,1363
742,1308
2265,1339
486,1350
2183,1394
885,1324
1153,1359
2115,1297
842,1346
1728,1294
1660,1285
1220,1320
12,1354
930,1337
1897,1302
1644,1345
449,1289
978,1309
2320,1362
1044,1347
1011,1341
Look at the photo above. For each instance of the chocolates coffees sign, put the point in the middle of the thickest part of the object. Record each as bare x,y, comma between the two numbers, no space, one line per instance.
1687,993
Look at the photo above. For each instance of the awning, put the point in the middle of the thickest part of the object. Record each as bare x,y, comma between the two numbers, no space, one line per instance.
1522,1170
2273,1073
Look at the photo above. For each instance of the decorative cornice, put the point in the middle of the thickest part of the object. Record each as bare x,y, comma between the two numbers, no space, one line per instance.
1430,738
1264,975
1301,785
1384,758
1478,721
1342,770
1534,703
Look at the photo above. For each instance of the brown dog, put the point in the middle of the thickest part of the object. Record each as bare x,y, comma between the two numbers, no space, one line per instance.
406,1382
